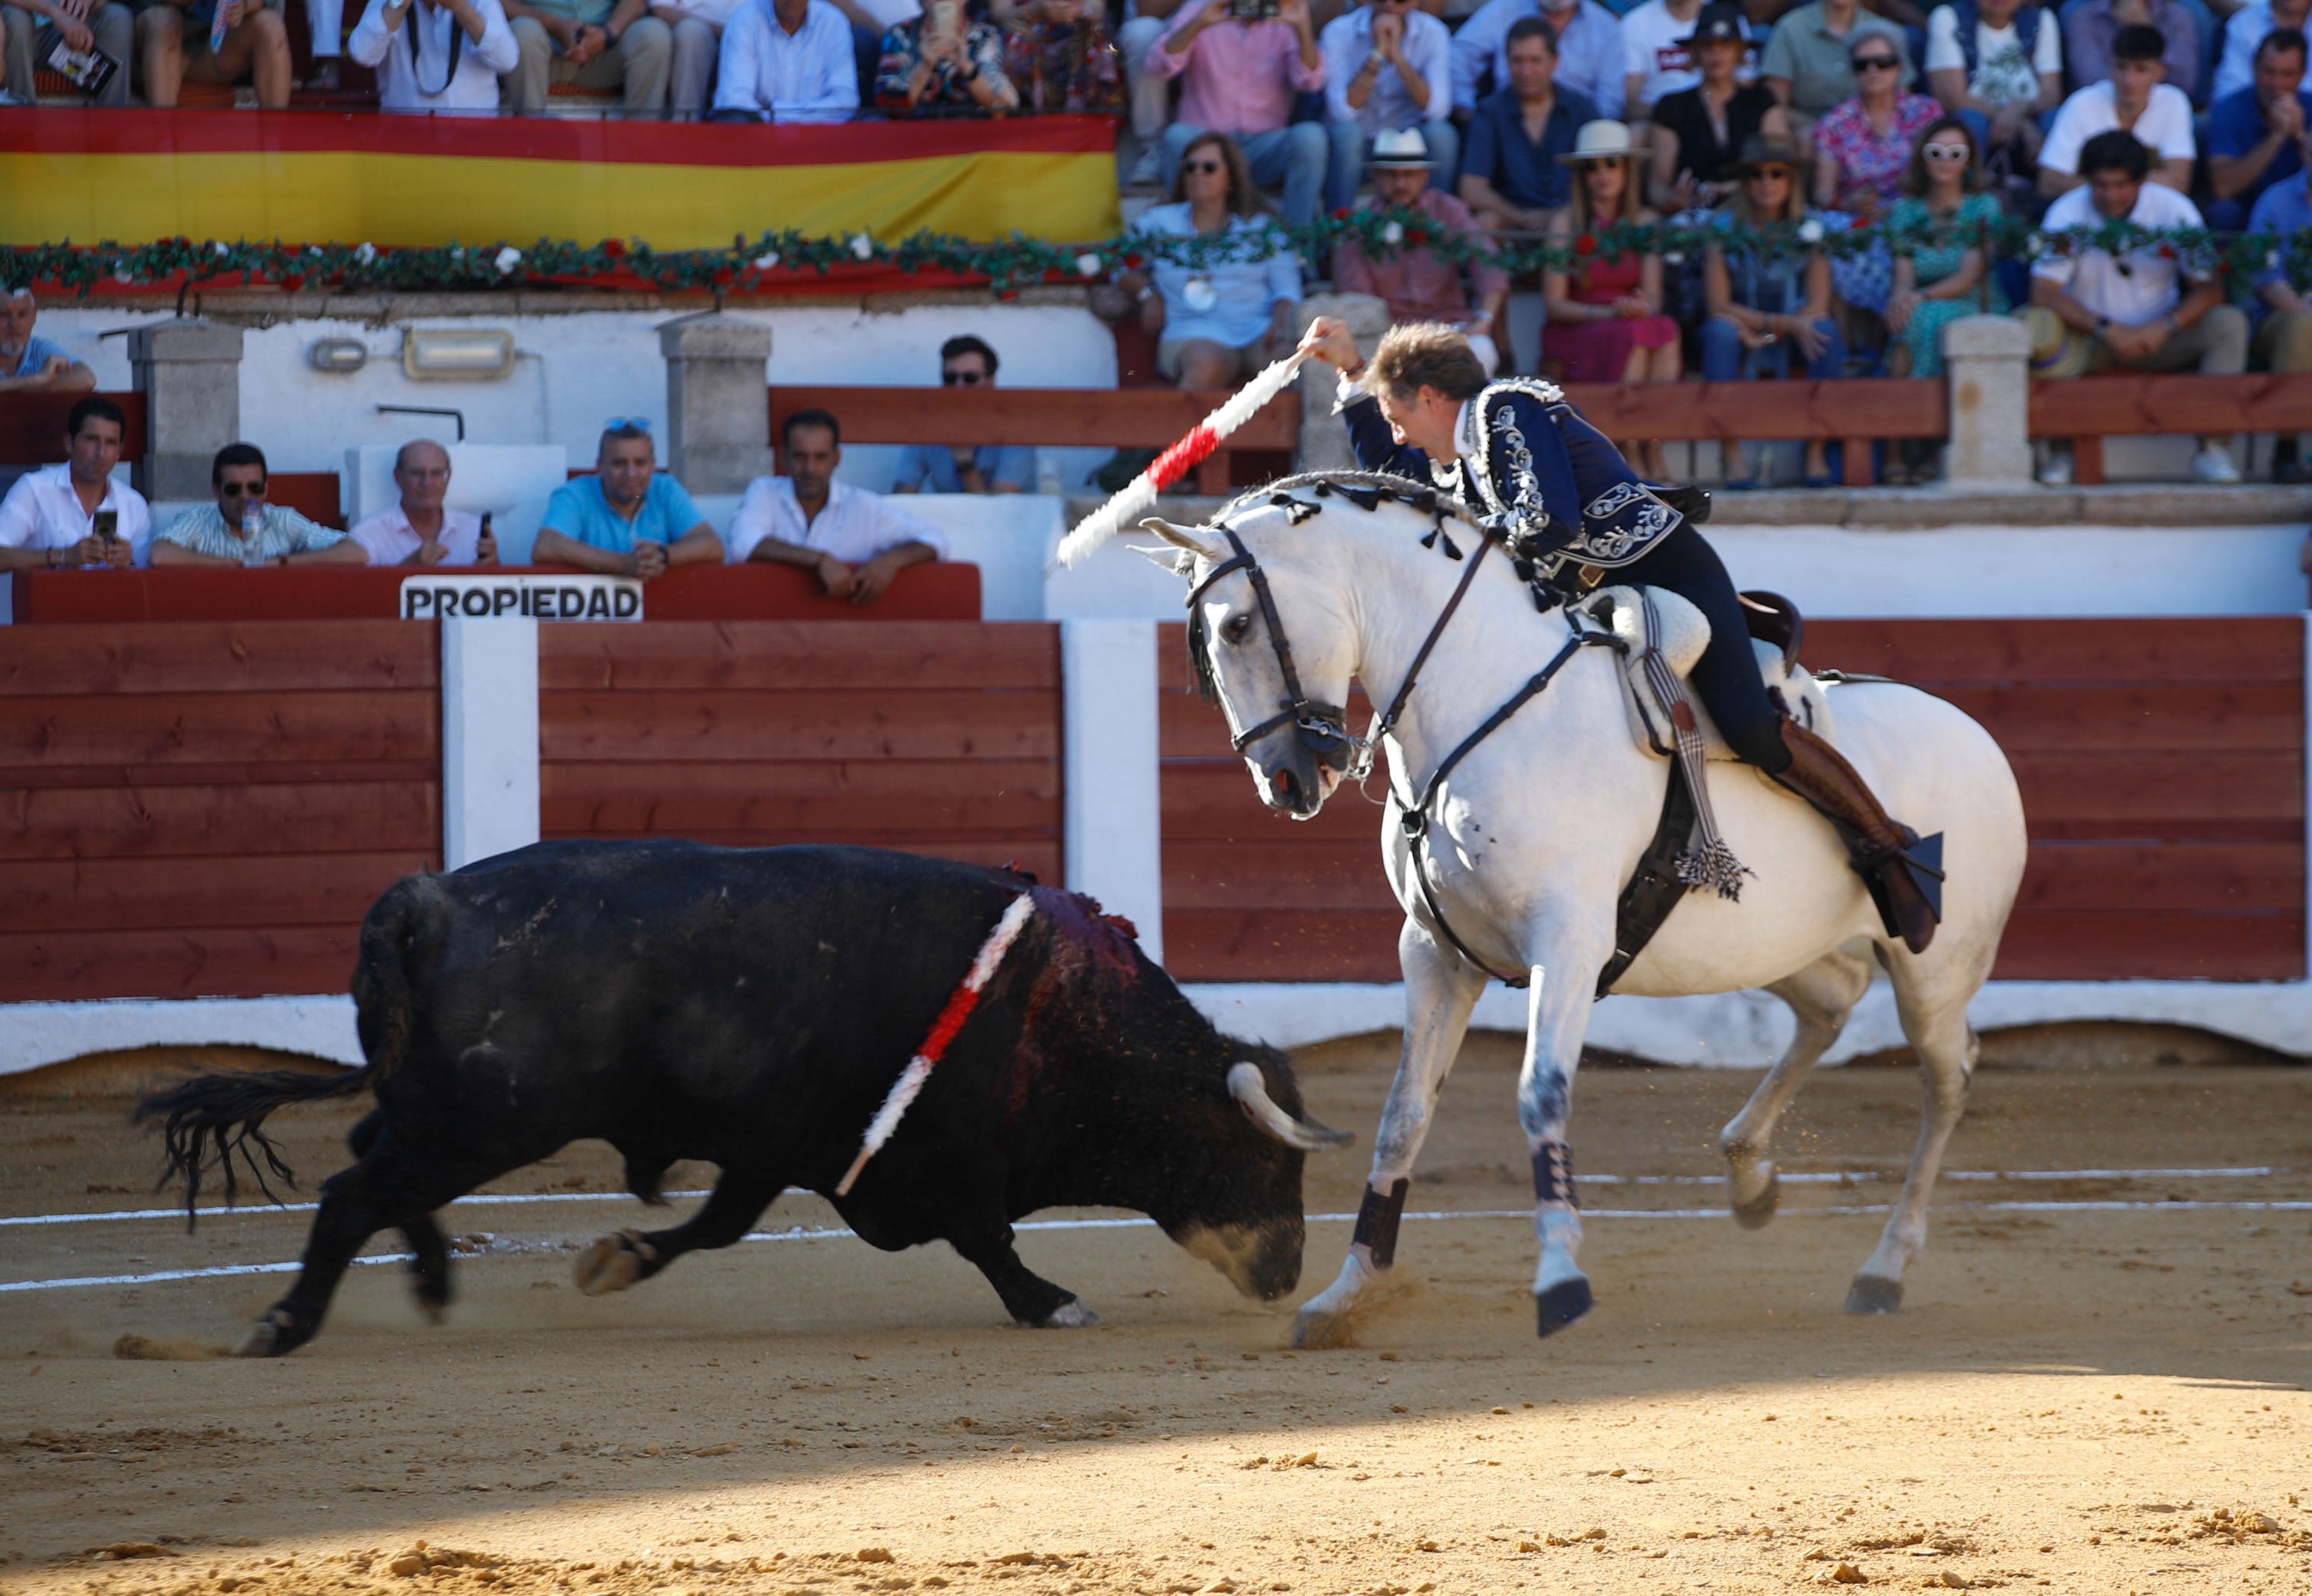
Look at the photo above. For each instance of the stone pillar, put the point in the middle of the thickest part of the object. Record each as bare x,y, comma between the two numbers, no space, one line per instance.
1115,849
1988,362
718,400
189,373
1324,440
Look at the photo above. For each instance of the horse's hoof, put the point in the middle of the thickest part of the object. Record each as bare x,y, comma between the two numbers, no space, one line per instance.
1313,1330
613,1263
1561,1304
264,1339
1874,1293
1070,1315
1756,1210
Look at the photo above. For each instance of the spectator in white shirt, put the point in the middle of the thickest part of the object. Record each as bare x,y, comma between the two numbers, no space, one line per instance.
2146,311
2244,32
2135,99
1996,66
51,518
852,540
429,58
787,61
1388,68
697,27
420,530
1590,59
1654,54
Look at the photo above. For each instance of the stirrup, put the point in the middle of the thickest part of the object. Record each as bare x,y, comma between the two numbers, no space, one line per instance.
1919,863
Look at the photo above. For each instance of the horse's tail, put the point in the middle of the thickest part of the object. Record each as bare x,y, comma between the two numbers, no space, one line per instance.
217,1121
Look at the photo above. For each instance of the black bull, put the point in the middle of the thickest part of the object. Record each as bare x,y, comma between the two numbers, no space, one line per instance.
752,1008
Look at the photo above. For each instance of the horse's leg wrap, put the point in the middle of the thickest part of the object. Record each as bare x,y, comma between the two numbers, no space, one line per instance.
1376,1221
1553,1175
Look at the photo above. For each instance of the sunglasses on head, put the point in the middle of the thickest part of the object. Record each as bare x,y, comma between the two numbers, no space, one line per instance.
621,424
950,376
1941,151
1876,62
1205,167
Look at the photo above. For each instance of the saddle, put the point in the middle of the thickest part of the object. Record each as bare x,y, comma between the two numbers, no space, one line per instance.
1663,634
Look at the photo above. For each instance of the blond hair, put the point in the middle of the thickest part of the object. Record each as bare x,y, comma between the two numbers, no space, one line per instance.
1419,354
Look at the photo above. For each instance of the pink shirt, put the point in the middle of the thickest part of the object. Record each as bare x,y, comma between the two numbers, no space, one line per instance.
1420,285
1236,77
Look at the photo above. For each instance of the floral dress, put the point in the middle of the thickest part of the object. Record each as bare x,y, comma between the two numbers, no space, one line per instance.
1932,264
1867,162
1064,66
948,90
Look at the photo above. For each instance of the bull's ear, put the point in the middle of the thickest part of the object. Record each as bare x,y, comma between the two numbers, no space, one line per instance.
1178,561
1250,1089
1194,539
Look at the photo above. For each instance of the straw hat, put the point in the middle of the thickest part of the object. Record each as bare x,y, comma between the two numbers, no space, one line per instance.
1402,150
1603,140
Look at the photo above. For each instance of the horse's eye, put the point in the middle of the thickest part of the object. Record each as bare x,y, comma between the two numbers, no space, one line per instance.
1233,629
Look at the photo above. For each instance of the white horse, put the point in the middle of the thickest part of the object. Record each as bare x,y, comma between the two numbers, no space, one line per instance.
1536,830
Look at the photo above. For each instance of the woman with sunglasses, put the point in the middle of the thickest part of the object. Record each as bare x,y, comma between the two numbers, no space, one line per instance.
1698,132
1219,320
1939,281
1770,298
1862,147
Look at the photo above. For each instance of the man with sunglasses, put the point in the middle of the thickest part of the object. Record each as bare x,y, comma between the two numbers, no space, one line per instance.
240,528
965,361
629,518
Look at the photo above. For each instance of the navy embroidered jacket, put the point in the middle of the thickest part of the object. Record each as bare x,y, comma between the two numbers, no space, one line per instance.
1538,466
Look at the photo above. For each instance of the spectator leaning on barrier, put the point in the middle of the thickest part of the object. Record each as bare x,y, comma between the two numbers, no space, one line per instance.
1698,133
1590,60
2090,26
2245,30
629,518
594,44
2000,65
989,467
1762,305
2254,136
33,28
1388,68
852,540
255,46
2144,310
419,530
29,363
944,61
1219,322
429,58
1510,174
76,513
1419,284
1060,59
1809,58
240,528
1239,78
1656,51
2283,339
787,61
2135,101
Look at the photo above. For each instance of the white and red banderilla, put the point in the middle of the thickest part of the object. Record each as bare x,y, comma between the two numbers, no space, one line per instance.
960,1002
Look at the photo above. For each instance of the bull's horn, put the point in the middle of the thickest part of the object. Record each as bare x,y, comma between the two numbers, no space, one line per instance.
1250,1090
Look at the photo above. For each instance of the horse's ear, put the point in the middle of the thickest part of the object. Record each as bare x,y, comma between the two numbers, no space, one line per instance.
1201,544
1178,561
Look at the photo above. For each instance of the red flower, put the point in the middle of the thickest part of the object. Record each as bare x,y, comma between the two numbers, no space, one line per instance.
1586,244
293,283
1341,215
614,248
2166,252
725,276
1135,260
1416,237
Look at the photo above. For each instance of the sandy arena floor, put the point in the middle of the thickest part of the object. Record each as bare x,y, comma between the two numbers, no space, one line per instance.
2079,1398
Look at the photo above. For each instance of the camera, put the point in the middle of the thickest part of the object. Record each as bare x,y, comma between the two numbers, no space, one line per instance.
1252,11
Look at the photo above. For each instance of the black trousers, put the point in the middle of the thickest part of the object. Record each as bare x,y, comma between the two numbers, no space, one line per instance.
1726,677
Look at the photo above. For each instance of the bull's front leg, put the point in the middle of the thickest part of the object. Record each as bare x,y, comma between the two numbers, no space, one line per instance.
1441,989
1031,1300
1557,1016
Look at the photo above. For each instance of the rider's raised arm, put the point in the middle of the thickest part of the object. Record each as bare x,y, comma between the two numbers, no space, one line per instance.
1375,446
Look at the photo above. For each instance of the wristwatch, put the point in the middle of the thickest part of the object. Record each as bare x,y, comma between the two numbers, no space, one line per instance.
2103,325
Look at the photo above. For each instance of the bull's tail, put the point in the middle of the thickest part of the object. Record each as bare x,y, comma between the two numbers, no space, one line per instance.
217,1121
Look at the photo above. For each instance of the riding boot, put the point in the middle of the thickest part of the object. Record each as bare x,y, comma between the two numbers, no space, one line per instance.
1881,847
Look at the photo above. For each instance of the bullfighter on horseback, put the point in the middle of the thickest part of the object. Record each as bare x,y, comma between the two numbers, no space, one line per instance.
1563,498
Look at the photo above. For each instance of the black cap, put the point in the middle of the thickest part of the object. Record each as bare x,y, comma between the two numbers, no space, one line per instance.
1717,20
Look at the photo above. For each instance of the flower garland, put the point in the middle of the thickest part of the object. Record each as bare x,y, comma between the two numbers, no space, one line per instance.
774,261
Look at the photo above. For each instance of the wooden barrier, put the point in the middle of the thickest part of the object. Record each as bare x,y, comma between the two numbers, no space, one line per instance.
2161,763
2129,404
32,425
206,809
933,737
1054,417
942,591
1854,412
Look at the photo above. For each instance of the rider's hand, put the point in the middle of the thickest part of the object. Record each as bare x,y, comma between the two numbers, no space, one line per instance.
1329,339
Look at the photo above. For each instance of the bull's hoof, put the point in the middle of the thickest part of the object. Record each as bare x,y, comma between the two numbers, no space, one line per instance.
1874,1293
1070,1315
1561,1304
613,1263
1755,1209
265,1337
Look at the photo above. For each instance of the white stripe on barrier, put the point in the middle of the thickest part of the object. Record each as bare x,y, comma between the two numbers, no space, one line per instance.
807,1234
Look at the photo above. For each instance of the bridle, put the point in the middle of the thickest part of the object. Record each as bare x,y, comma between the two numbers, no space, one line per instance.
1323,728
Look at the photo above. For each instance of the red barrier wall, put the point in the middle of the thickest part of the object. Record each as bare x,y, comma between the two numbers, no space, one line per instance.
932,737
208,810
2161,763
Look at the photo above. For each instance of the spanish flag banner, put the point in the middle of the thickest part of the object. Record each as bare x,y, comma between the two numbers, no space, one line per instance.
406,181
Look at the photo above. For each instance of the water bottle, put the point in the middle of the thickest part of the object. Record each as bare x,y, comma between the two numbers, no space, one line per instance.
252,525
217,29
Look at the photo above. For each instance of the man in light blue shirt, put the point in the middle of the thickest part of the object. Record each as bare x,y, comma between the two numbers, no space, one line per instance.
27,360
2283,337
627,518
1590,59
1388,68
965,361
787,61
